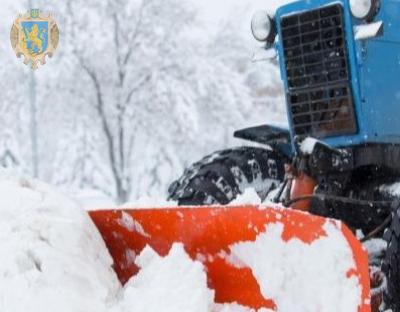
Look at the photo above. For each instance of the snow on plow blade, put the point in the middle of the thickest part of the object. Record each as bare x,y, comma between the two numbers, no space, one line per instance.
258,257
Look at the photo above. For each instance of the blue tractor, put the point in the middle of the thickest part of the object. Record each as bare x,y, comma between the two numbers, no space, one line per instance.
339,63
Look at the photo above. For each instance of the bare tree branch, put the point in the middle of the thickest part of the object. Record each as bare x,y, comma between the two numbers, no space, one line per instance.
117,30
136,32
105,126
137,87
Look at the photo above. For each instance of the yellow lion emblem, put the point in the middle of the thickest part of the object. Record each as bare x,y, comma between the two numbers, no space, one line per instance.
34,35
35,38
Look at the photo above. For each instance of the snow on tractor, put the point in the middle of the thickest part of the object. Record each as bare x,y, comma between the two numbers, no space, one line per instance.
339,63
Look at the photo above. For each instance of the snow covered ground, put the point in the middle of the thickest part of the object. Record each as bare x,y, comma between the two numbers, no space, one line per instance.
53,259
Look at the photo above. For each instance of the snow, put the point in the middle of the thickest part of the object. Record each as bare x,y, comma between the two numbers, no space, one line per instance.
367,31
171,284
249,197
392,189
150,202
132,225
262,54
301,277
307,146
376,248
52,256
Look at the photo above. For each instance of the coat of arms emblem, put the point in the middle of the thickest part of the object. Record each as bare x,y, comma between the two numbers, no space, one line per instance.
34,35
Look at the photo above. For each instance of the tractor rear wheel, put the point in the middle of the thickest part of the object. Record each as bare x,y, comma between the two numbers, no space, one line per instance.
220,177
391,263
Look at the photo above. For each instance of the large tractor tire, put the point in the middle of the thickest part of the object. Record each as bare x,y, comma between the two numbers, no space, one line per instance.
367,217
220,177
391,263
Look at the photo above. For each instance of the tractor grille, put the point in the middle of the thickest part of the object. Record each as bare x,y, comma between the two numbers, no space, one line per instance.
316,62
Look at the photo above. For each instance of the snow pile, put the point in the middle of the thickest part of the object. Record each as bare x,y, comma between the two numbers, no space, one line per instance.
171,284
301,277
52,256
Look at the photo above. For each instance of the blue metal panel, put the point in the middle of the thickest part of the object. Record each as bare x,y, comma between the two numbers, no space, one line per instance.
374,70
379,70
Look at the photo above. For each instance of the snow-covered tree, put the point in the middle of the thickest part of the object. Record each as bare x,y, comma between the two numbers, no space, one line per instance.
150,87
235,46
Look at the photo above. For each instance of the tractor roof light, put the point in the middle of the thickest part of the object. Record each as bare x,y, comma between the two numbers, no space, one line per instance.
364,9
263,27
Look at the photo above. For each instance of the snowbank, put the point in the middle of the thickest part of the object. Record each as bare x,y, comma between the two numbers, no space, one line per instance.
52,256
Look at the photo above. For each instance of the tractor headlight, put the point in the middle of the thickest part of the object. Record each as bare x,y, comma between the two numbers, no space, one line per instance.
262,27
364,9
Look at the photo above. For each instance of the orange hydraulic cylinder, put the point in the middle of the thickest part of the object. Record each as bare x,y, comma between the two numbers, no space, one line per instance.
302,185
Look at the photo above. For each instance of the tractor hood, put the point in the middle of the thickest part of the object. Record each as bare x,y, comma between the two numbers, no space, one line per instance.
333,75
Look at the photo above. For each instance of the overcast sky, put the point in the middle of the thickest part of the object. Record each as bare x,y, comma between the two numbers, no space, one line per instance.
216,10
213,12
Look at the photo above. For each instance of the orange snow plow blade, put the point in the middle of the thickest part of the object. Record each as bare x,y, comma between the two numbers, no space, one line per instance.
208,234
